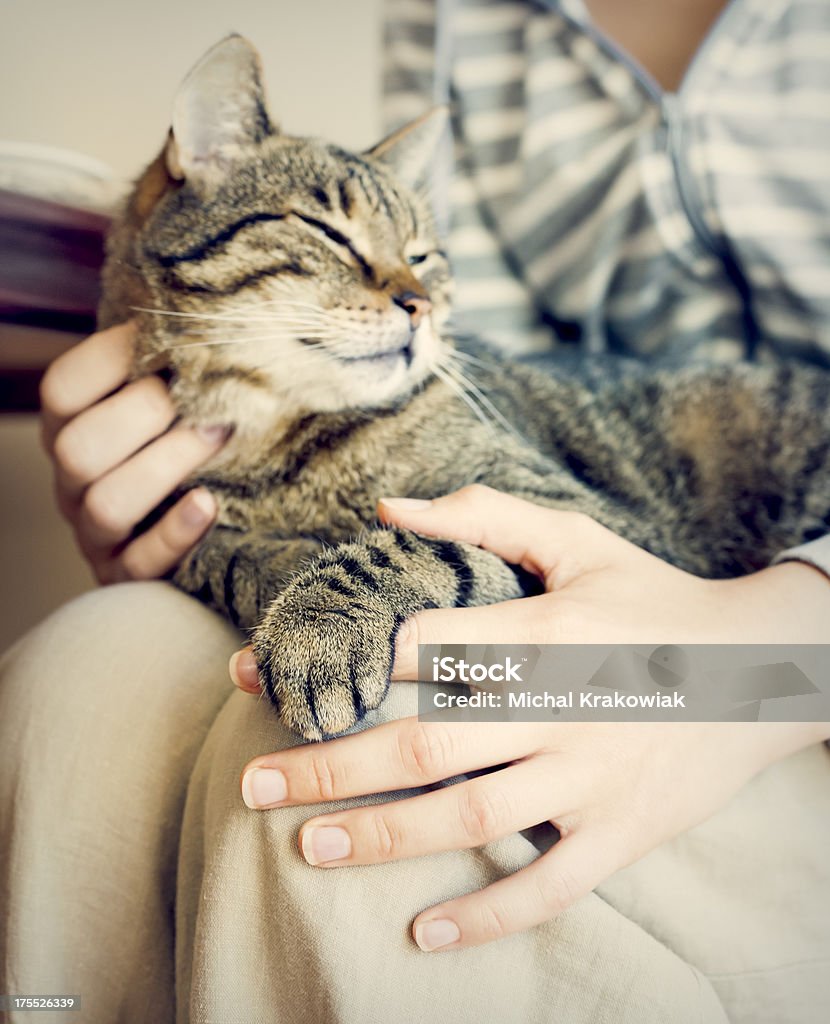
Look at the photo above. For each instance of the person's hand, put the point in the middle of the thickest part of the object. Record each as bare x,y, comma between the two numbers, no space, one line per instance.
600,588
115,457
614,791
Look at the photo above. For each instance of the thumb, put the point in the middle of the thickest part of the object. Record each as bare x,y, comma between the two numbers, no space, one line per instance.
541,540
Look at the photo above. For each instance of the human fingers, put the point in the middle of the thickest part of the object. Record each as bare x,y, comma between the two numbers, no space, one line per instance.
457,817
244,672
162,547
548,886
115,503
396,755
526,620
103,436
83,375
541,540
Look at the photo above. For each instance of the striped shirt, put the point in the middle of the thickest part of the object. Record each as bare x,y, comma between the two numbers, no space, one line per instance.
588,207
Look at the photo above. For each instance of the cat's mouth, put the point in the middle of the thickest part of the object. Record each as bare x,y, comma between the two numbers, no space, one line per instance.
380,360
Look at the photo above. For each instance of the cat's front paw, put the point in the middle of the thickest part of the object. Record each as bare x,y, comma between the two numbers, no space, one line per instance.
324,659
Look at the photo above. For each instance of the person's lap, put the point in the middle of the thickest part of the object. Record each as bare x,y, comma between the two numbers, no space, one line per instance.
106,709
103,709
265,936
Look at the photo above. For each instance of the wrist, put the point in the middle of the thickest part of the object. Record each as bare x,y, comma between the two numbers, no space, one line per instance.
784,603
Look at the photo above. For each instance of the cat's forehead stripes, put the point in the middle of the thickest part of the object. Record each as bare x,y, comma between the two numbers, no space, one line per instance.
321,196
345,197
205,247
350,199
342,240
232,286
378,189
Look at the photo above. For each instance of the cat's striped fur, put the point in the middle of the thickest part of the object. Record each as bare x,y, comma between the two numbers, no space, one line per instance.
298,293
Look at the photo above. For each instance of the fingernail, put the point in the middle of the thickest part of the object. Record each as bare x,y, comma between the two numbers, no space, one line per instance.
324,843
243,669
199,509
406,504
435,934
214,435
262,787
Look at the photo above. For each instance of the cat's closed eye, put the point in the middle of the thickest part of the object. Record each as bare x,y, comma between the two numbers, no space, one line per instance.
333,235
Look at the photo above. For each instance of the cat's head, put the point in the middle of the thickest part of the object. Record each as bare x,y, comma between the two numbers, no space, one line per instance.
273,275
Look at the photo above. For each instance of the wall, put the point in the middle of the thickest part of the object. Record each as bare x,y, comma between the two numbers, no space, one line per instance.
98,77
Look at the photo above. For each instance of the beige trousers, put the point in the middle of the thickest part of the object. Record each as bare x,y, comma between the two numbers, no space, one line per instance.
132,874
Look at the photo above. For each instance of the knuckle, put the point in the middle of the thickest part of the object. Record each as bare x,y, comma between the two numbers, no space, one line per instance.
555,890
324,780
155,399
425,751
52,388
134,564
474,492
71,452
387,839
103,511
483,814
493,921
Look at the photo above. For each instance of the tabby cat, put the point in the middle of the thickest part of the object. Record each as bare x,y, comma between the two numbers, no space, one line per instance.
299,294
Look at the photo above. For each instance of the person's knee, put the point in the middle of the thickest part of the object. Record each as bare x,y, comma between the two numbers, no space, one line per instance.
125,647
249,726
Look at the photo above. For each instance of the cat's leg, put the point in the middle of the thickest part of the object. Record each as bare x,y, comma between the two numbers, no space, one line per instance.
239,573
325,645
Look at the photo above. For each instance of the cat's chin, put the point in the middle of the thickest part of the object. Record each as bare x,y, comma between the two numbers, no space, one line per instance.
380,378
386,373
369,384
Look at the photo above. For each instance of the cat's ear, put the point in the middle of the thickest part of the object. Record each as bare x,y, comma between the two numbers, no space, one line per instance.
411,150
218,111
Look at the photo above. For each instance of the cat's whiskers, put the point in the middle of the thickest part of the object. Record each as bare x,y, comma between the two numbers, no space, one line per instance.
309,322
466,357
283,326
256,327
286,303
231,317
221,317
279,334
455,387
466,382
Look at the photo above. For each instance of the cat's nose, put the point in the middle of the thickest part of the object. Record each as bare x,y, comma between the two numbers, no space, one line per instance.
417,306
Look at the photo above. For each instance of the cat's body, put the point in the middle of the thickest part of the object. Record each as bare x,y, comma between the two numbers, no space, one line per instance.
341,389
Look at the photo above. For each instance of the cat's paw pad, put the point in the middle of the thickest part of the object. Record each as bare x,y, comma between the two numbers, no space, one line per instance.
323,662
